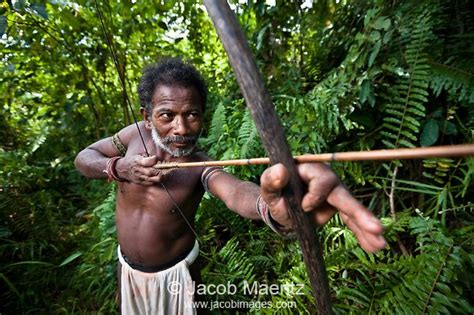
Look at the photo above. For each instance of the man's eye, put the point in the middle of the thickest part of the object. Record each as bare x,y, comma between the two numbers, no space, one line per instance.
194,115
166,116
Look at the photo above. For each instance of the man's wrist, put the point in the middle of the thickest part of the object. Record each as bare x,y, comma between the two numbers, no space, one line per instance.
120,169
111,170
264,212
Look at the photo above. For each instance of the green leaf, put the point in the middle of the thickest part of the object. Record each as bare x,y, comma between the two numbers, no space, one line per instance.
367,93
430,133
369,15
374,53
162,25
261,36
387,36
382,23
438,113
40,10
364,91
443,288
448,128
371,98
70,258
31,262
374,36
295,128
3,25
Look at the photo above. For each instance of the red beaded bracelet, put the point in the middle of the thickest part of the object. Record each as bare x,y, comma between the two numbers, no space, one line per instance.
111,171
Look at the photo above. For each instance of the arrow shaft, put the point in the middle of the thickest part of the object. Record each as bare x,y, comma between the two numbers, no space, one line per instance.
460,150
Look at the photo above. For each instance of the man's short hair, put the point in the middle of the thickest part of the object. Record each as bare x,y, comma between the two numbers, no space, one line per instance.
170,72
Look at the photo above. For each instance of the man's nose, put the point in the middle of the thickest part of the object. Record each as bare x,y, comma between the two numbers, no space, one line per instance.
180,127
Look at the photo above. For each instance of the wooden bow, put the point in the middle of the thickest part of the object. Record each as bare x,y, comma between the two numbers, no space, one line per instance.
274,140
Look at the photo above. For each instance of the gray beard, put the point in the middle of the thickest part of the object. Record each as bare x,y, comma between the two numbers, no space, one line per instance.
162,143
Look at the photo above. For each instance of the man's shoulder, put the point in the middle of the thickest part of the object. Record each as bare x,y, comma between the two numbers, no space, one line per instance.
133,128
131,132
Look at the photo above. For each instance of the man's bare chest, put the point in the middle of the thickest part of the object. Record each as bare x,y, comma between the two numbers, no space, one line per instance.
177,185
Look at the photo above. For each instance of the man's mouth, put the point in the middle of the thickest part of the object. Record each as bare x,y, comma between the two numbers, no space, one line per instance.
180,141
182,144
177,146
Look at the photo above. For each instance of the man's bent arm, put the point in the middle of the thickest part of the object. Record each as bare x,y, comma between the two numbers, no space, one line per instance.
92,161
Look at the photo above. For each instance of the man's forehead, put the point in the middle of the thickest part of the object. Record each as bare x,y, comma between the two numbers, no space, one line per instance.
175,88
176,93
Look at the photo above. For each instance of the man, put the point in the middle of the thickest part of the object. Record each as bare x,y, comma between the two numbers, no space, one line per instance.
155,211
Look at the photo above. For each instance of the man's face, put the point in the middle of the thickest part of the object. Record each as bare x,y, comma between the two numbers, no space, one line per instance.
176,119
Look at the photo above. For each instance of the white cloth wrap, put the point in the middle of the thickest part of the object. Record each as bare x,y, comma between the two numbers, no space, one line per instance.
166,292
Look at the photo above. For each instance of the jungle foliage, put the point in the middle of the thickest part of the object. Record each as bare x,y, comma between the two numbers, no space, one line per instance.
344,75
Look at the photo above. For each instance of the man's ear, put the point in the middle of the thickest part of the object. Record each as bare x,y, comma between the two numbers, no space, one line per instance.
146,118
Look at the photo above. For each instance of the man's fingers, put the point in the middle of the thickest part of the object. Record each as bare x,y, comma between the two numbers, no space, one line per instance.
156,178
323,213
325,195
320,181
147,183
342,199
272,181
366,240
370,242
148,161
367,229
149,171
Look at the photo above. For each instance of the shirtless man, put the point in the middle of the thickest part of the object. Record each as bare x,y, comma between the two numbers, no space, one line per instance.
155,211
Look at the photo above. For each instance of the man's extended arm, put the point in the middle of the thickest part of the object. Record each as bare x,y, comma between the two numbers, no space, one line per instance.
239,196
325,195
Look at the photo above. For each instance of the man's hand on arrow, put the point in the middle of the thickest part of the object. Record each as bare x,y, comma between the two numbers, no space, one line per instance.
139,170
325,195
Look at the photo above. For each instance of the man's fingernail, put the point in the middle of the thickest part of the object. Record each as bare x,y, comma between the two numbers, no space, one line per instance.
382,239
375,220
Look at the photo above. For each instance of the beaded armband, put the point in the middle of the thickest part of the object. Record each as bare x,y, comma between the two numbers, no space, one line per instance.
118,144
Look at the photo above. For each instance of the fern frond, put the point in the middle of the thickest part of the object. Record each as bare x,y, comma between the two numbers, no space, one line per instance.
248,137
98,267
217,123
405,106
424,282
438,169
457,79
238,266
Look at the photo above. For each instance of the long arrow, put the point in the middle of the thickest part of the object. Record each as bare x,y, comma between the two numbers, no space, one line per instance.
274,141
459,150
